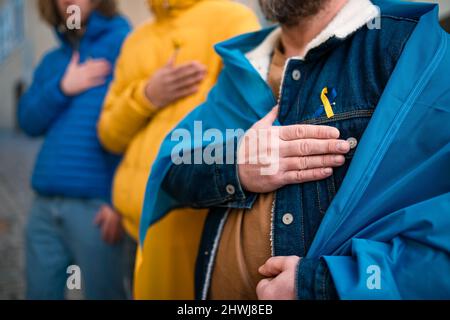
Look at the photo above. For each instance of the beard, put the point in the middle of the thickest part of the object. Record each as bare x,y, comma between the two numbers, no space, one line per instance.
290,12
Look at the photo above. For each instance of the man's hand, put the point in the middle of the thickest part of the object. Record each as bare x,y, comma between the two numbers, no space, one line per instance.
110,223
300,154
79,78
171,83
280,283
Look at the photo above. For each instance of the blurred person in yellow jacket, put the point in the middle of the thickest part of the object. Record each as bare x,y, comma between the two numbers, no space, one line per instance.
166,69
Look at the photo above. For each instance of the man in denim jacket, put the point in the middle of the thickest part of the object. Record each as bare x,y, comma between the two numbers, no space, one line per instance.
327,65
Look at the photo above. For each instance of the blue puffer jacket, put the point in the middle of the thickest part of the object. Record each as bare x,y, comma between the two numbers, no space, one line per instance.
72,162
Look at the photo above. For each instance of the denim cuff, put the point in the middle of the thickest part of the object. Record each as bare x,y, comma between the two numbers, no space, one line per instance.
228,184
314,281
220,186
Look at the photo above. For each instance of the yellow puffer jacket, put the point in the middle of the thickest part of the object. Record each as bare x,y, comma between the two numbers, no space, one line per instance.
130,125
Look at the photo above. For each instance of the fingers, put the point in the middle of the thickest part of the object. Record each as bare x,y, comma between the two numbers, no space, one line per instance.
75,58
314,162
109,229
105,232
261,288
99,217
96,73
273,267
95,82
113,232
185,80
183,93
172,59
310,147
91,83
97,63
297,132
118,234
187,83
95,69
304,176
186,71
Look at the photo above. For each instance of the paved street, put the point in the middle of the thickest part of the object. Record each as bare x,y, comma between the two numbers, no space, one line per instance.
17,155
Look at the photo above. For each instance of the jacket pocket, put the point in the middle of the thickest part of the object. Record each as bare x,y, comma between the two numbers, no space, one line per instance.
352,125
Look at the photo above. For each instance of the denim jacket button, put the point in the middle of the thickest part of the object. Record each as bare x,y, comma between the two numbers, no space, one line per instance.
296,75
353,143
288,219
231,190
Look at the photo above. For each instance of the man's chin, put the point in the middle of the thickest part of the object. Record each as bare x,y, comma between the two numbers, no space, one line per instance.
290,12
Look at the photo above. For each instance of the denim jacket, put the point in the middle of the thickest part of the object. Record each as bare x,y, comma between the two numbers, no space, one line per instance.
357,70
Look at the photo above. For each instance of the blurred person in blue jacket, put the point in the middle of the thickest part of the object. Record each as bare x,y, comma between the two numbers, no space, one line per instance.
71,221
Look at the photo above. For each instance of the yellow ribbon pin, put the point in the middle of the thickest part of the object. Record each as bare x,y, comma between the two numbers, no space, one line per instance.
326,103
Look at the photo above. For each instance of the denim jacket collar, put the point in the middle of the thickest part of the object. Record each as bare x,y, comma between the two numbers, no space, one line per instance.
354,15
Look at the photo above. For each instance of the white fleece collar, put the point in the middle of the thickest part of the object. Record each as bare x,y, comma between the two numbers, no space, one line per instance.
354,15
